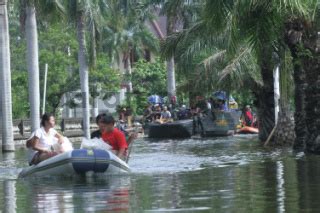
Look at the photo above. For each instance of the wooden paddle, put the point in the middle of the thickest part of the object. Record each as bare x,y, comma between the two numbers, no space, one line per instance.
131,139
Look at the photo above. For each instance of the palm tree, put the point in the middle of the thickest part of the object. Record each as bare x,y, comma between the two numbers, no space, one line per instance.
5,78
127,35
33,64
177,14
28,12
80,12
301,36
239,23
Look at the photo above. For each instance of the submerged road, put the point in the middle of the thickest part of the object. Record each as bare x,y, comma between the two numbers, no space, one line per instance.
231,174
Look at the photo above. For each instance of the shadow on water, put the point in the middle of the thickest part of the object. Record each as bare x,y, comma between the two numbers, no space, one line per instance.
231,174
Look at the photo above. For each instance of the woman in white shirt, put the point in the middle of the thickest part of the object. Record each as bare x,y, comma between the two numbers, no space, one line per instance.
41,141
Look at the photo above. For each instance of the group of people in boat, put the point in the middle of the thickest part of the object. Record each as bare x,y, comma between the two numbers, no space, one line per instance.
40,144
157,113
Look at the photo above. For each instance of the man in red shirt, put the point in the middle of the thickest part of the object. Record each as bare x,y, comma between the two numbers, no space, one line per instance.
248,117
113,136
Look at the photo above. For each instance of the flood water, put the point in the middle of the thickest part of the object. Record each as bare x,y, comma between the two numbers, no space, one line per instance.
196,175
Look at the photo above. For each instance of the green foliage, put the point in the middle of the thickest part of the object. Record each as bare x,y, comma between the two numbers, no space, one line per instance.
104,81
148,78
54,44
303,52
20,104
126,33
243,97
19,74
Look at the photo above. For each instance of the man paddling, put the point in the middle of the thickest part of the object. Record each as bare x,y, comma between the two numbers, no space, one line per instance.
111,135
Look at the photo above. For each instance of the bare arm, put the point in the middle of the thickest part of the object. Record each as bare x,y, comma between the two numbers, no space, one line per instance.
34,144
60,138
131,138
121,153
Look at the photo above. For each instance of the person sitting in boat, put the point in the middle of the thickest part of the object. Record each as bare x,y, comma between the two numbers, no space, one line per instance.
248,117
147,114
157,112
128,115
222,105
165,115
233,105
111,135
183,113
41,141
122,114
97,133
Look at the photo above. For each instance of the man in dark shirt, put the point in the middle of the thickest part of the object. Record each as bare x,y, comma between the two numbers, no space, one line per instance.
97,133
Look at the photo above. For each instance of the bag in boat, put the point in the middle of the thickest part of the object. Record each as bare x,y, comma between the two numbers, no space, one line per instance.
94,143
64,147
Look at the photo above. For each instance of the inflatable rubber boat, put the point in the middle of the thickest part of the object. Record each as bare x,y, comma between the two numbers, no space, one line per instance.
170,130
78,162
248,130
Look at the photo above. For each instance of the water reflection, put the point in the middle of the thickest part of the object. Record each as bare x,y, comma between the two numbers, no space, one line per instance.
223,175
280,187
87,195
9,196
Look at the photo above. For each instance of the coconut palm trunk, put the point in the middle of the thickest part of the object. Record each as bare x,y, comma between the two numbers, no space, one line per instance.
5,79
265,97
292,38
129,73
95,109
84,73
311,64
304,42
299,100
171,79
33,66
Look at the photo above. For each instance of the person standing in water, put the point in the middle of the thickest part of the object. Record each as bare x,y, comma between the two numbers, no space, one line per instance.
41,141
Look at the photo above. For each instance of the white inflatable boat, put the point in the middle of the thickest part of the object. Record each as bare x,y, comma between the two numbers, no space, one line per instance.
78,162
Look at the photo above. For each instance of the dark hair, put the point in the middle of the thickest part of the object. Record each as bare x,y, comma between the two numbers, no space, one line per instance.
99,117
107,119
46,117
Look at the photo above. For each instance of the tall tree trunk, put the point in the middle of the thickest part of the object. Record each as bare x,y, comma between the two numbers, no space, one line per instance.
284,134
171,79
276,89
304,42
129,73
311,63
5,79
68,95
292,38
84,75
300,114
265,96
95,110
33,66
